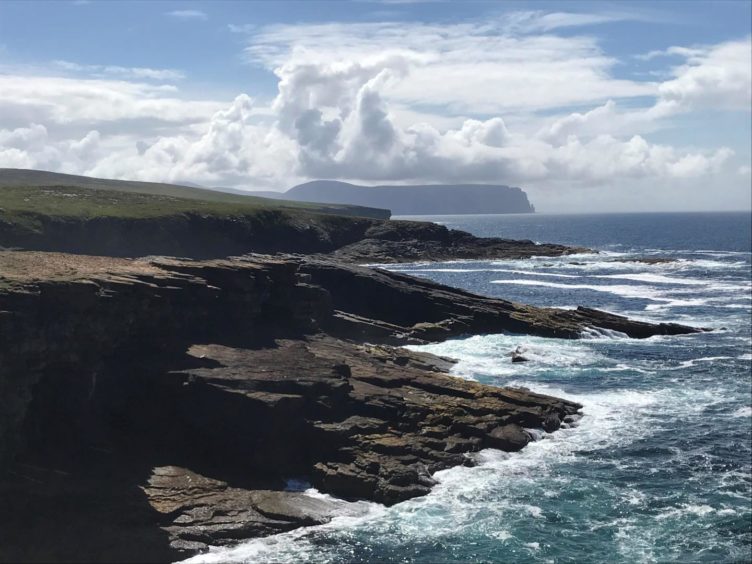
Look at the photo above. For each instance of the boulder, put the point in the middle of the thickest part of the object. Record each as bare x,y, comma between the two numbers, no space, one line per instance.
509,438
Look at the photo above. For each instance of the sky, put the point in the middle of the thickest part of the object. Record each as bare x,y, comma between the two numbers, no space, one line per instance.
588,106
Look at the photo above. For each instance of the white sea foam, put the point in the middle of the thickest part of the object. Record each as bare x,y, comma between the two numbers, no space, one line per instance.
489,354
280,548
482,497
534,511
656,279
467,270
593,333
686,510
620,290
503,486
534,273
502,535
694,361
663,298
667,303
713,252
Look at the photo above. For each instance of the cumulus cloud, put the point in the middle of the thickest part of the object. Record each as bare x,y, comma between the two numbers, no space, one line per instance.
715,77
338,114
65,100
474,68
232,151
464,102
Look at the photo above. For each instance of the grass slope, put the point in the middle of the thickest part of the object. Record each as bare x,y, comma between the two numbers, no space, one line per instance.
95,218
41,192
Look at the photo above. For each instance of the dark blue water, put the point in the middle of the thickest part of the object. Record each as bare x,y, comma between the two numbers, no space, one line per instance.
658,470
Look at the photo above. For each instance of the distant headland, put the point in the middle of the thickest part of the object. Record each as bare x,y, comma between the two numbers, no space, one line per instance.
430,199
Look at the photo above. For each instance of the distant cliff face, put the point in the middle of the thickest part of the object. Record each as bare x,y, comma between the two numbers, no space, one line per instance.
417,200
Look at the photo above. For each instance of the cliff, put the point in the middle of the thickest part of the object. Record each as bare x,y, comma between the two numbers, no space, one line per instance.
417,200
152,407
198,234
130,219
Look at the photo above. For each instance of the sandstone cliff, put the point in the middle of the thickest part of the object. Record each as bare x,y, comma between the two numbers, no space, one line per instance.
164,403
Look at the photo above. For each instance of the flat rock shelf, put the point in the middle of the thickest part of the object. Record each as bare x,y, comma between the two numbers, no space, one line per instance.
167,403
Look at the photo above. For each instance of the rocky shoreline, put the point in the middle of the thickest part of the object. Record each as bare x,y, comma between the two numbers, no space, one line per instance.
167,403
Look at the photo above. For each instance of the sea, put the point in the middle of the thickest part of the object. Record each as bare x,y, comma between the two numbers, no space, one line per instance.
659,468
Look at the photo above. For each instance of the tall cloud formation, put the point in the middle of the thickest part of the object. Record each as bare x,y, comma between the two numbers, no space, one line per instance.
463,102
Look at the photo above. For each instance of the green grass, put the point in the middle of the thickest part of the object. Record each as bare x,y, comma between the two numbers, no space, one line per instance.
69,201
24,192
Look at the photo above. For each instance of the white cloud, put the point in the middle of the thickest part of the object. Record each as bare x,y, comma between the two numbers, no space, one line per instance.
136,73
188,14
472,68
338,114
714,77
232,151
537,21
464,102
62,100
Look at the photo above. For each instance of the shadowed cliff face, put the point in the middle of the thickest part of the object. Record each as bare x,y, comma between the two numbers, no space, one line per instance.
190,234
177,396
205,236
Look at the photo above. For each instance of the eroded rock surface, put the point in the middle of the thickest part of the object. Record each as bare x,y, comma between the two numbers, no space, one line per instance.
371,422
405,241
178,397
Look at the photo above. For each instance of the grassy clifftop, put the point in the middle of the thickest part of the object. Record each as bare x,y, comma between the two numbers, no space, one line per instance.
52,193
106,221
119,218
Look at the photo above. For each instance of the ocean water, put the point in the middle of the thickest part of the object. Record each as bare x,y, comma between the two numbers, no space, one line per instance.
659,468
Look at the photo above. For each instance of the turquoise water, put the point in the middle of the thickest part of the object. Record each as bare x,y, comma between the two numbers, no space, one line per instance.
658,469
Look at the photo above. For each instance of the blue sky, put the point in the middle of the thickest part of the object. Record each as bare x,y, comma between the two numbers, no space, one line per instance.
596,105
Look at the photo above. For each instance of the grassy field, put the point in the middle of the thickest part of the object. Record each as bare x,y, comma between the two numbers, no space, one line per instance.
124,219
24,192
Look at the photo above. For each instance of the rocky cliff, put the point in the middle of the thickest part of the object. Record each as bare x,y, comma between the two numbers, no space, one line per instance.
198,235
152,407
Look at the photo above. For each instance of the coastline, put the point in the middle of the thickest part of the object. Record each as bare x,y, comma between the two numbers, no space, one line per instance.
284,336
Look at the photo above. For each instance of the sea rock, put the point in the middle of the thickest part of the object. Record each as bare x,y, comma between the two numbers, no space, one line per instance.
392,308
405,241
551,422
200,512
510,437
518,355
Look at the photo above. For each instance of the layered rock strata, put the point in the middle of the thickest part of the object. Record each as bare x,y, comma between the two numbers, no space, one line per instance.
163,405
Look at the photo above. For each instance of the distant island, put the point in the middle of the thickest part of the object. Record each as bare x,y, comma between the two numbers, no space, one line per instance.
430,199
